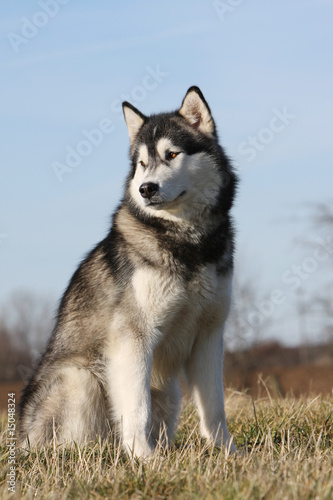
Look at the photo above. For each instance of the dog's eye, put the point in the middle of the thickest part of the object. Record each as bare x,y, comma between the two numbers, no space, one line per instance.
171,155
142,163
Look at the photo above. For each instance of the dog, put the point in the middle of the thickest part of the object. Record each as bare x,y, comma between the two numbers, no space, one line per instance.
148,304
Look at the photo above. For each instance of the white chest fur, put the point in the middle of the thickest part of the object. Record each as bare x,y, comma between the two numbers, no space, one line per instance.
158,295
177,311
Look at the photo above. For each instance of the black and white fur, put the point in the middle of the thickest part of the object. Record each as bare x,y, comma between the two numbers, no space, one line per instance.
150,301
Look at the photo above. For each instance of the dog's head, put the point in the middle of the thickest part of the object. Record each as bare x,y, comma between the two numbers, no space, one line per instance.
178,167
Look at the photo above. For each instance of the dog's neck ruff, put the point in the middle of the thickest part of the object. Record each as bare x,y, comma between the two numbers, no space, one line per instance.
187,220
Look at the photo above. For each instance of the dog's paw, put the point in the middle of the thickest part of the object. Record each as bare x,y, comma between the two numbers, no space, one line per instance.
139,448
229,446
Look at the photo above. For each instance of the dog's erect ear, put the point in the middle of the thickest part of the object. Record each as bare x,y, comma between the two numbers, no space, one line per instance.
197,112
134,120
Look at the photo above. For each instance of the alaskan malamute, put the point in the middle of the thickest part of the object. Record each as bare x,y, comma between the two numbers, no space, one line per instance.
150,301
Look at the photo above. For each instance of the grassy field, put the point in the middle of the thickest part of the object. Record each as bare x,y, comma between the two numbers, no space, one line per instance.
285,452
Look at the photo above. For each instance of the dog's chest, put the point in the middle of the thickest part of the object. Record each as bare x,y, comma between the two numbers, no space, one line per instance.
168,302
175,312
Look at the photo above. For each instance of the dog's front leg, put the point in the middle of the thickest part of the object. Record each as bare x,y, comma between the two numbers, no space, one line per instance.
129,371
204,372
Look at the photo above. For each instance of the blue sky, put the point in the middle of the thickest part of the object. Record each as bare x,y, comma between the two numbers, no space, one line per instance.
65,67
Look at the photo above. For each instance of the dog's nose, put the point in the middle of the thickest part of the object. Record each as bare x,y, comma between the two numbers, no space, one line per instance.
148,189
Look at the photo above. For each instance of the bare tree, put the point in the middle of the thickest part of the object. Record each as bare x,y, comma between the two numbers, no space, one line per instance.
25,325
319,302
247,321
322,215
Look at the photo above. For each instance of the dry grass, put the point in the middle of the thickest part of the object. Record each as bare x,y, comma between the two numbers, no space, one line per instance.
285,453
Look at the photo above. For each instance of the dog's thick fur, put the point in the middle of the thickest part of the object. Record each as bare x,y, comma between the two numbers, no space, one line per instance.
150,301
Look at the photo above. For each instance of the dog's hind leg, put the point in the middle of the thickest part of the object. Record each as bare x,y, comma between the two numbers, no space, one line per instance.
72,408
